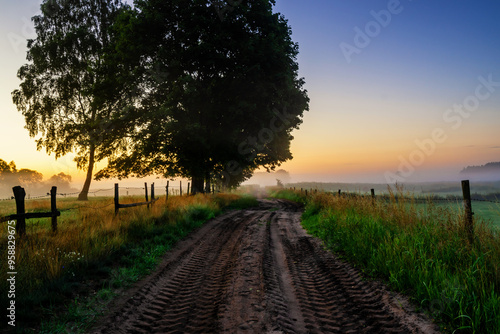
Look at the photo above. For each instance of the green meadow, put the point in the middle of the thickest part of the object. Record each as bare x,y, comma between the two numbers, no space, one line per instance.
486,213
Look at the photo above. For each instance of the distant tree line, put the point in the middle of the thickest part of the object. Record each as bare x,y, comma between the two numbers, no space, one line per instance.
489,167
30,179
168,88
489,171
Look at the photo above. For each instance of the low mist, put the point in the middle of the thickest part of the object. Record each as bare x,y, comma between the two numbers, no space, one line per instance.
31,180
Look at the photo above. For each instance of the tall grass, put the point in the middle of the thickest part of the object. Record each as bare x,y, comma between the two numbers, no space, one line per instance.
424,254
94,245
295,196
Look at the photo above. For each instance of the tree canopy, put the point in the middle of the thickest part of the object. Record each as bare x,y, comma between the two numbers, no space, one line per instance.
179,88
222,95
73,93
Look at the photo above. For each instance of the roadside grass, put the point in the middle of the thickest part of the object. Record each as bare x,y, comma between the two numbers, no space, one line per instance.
487,211
235,202
422,252
65,280
295,196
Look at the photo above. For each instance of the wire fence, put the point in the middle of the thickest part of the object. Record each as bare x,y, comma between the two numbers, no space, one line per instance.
74,194
22,215
47,195
431,198
174,190
454,199
87,207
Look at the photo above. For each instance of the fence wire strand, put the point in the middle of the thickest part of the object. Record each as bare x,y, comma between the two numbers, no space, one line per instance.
47,195
86,207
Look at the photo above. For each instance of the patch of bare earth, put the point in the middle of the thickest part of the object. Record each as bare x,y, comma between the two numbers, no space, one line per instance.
258,271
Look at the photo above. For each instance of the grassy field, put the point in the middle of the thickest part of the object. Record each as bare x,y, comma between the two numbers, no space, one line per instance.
64,280
486,213
419,250
422,188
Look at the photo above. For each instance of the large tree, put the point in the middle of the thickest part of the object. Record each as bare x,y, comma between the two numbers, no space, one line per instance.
74,92
225,96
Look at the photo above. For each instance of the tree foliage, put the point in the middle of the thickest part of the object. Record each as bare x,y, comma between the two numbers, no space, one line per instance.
224,94
31,179
73,93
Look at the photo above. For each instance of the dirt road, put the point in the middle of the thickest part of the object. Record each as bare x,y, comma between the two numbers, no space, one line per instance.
257,271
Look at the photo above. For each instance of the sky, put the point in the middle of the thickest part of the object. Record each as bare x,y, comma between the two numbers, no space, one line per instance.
400,90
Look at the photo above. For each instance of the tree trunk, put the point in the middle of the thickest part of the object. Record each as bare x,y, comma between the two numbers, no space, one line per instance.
208,184
197,185
86,186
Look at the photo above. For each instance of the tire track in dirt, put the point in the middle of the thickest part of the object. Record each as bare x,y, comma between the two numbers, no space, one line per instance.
257,271
188,290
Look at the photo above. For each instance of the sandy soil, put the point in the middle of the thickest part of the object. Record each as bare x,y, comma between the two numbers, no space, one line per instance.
258,271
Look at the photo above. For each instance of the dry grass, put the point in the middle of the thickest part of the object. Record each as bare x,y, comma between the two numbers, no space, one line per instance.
89,231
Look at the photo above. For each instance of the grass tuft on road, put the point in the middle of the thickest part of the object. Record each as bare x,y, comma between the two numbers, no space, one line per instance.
294,196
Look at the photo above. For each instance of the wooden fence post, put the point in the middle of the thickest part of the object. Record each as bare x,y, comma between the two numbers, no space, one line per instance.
166,199
19,195
213,188
469,223
152,191
373,196
117,205
340,192
189,183
146,192
180,188
53,208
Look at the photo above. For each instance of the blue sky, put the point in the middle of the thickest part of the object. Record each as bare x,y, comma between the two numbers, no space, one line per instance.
427,59
431,50
365,115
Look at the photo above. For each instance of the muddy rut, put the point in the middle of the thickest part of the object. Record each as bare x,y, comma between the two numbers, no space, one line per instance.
258,271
